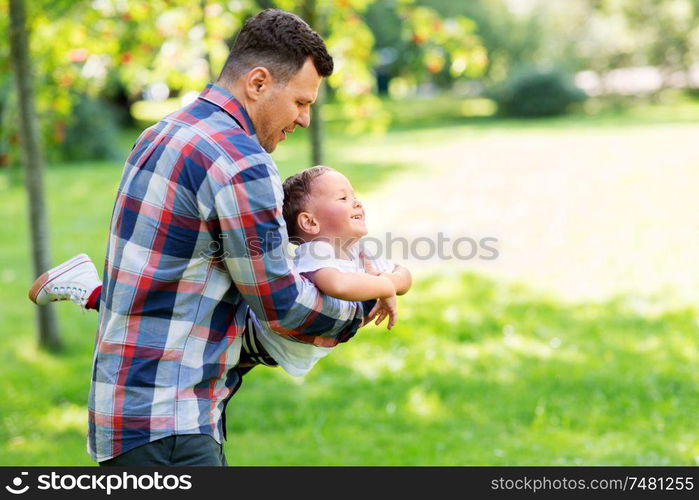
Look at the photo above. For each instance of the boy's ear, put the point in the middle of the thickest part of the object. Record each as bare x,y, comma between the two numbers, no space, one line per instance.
307,223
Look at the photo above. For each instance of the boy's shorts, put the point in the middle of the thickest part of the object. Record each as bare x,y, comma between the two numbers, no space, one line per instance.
253,353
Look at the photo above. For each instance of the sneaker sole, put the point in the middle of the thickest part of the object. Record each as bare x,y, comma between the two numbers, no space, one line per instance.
43,280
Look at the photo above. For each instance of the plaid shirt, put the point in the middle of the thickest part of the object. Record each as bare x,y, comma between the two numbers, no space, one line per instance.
196,237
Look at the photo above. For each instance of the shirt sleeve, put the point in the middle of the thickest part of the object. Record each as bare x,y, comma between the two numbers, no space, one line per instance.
315,255
383,265
255,249
380,264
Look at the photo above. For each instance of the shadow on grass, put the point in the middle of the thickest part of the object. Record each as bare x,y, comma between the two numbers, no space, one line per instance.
481,373
477,372
43,397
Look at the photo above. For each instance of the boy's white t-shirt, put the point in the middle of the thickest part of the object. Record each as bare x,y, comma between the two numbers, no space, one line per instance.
295,357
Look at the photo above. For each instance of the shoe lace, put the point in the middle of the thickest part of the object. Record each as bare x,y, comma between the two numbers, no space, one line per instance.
74,293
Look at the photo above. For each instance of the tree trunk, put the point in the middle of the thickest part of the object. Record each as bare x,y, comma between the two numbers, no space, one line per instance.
309,13
317,128
267,4
207,43
33,164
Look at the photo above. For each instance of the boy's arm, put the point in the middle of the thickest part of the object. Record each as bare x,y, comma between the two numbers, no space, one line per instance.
399,276
401,279
247,212
352,286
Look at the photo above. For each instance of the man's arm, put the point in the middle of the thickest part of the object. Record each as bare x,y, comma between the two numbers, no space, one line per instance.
254,240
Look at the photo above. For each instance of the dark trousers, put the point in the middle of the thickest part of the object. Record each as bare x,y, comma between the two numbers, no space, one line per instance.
182,450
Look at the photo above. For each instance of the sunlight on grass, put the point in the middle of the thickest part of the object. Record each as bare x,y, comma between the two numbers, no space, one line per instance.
29,353
427,406
372,365
67,417
503,376
523,381
478,107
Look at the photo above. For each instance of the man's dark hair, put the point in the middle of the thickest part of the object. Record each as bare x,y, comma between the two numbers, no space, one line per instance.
297,189
279,41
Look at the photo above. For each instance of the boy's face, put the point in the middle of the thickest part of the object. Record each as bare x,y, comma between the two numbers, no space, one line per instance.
339,215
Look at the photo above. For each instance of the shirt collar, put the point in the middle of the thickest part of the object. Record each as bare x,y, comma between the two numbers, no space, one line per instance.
223,99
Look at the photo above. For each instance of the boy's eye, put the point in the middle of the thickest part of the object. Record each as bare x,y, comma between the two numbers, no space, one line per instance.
344,198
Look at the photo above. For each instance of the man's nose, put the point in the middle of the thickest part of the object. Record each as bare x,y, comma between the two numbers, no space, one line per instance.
303,119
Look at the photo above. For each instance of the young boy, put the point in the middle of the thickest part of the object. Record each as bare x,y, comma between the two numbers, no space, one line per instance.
323,215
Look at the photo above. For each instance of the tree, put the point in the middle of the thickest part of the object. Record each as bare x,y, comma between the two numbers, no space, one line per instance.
309,12
114,47
435,44
33,163
659,33
523,33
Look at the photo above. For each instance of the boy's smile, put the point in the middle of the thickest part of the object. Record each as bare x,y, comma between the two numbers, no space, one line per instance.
338,213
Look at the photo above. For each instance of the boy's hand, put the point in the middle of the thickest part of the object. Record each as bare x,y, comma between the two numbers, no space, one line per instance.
388,308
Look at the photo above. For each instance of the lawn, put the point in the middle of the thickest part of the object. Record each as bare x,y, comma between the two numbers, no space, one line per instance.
480,370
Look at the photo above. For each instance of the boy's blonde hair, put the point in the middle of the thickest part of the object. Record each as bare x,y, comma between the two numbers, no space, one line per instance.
297,189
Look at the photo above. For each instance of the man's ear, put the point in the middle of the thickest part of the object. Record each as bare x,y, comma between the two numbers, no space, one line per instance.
257,81
307,223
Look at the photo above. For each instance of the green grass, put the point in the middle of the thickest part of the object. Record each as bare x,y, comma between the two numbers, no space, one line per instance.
501,376
476,372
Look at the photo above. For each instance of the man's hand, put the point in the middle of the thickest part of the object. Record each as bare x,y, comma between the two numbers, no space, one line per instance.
388,308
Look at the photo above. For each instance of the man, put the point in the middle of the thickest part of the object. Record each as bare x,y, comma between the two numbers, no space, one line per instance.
196,237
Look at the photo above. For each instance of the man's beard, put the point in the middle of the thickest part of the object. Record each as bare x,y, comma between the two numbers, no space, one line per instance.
267,147
267,141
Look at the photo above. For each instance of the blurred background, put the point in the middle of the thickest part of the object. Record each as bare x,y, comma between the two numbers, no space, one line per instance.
563,131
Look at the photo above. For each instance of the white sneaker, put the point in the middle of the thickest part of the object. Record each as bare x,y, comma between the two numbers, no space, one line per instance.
74,280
